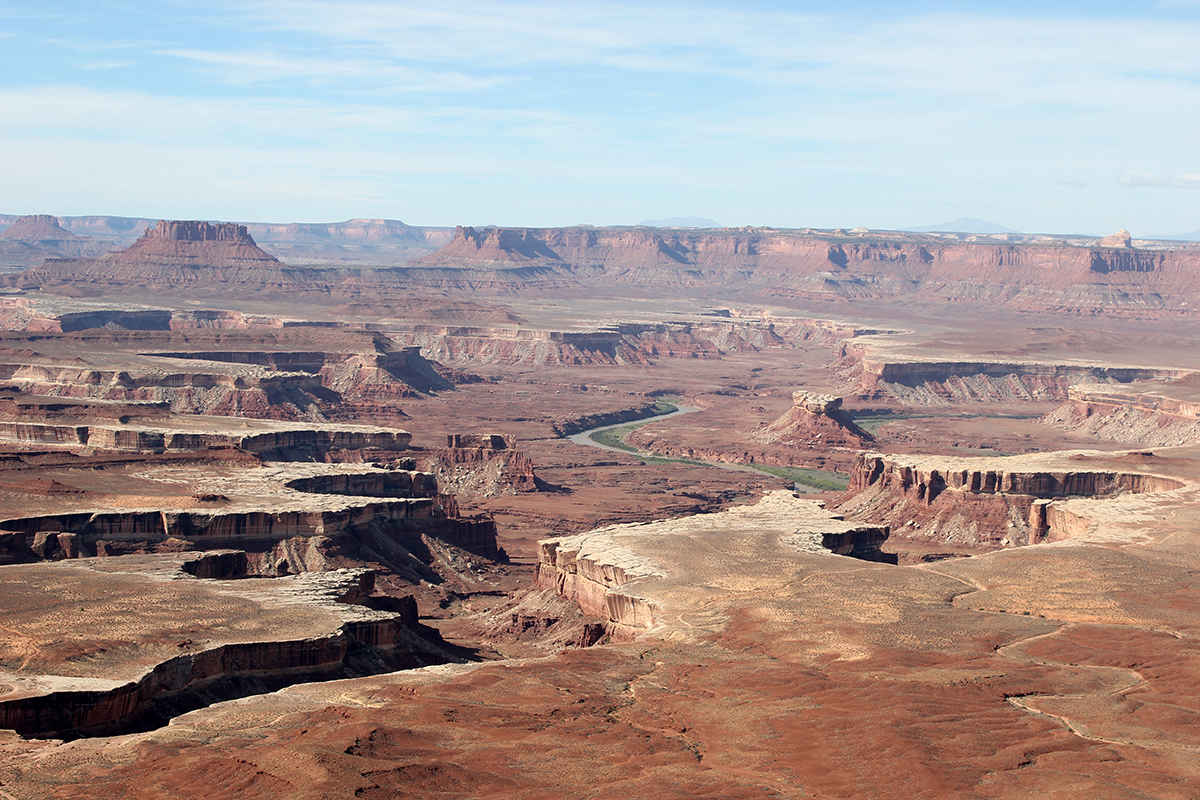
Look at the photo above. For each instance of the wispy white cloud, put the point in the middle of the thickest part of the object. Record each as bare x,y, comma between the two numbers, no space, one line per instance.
1146,180
260,67
780,111
932,51
277,124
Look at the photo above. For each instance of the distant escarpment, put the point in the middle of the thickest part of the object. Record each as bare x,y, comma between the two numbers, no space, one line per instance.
814,265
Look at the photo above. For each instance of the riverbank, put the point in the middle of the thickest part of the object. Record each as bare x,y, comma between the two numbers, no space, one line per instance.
806,481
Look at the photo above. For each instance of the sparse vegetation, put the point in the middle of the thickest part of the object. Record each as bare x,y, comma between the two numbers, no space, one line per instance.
814,478
615,437
871,420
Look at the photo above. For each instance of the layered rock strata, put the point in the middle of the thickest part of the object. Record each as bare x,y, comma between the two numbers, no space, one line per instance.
982,502
480,465
1145,415
24,314
380,373
286,537
621,343
285,443
826,265
257,384
288,523
815,421
944,382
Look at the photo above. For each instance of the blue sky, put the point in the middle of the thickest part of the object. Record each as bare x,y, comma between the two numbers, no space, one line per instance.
1054,117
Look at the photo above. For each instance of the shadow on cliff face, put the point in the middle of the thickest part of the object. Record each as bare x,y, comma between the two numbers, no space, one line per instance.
553,488
415,648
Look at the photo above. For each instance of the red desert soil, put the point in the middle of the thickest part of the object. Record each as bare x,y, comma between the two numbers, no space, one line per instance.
736,656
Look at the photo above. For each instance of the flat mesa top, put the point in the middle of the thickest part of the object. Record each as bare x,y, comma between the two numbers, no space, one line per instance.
94,623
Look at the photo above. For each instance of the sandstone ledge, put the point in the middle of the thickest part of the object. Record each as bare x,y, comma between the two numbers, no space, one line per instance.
647,577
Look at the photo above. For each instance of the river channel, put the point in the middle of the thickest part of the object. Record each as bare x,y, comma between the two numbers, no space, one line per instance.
585,437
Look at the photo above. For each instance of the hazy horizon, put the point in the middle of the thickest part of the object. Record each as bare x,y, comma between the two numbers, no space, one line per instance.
1067,117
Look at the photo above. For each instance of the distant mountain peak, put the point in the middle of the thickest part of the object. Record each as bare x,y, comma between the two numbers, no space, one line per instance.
963,225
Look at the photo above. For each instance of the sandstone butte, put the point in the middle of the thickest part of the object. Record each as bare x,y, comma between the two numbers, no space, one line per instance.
35,237
233,527
38,227
177,254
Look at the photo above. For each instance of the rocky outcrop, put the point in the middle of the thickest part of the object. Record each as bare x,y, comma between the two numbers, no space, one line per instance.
30,239
326,444
262,395
588,573
404,521
222,319
41,228
20,314
285,444
925,484
1143,415
348,511
286,385
398,483
625,343
482,441
599,569
1120,239
814,421
480,465
380,372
